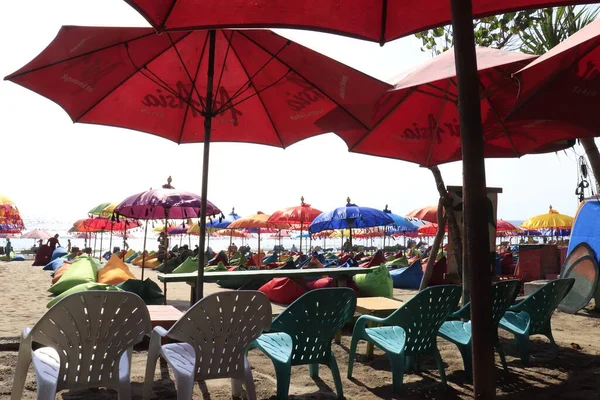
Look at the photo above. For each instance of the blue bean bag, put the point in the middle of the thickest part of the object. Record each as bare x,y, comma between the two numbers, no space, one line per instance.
132,257
408,277
54,264
58,252
19,257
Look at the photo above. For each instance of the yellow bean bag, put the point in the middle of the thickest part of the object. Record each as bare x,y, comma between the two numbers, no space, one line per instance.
138,260
152,263
115,271
129,253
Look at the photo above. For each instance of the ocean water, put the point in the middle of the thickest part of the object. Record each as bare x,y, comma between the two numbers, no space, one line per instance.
135,238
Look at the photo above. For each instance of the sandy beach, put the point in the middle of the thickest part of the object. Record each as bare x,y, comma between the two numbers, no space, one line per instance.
574,375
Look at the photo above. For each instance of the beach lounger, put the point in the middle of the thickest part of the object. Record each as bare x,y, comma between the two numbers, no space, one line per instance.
88,338
213,337
302,335
459,332
410,331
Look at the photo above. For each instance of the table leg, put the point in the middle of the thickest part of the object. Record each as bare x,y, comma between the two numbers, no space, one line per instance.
165,292
192,294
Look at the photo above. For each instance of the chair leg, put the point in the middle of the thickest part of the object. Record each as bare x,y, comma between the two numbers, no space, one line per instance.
283,373
523,343
397,362
313,370
249,380
465,352
23,361
440,364
153,354
236,387
352,354
502,356
552,342
335,372
124,388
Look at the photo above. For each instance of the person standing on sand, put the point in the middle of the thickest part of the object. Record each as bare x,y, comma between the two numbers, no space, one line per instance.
8,247
68,245
53,242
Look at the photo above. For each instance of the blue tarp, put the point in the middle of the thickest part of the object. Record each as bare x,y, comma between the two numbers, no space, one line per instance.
586,227
408,277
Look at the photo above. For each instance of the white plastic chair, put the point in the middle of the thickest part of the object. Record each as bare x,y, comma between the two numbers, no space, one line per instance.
214,334
89,338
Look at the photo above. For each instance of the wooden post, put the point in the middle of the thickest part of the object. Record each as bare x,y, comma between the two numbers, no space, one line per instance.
475,200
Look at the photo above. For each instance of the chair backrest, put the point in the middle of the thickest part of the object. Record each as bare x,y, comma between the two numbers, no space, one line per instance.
504,294
220,327
541,304
422,316
312,321
90,331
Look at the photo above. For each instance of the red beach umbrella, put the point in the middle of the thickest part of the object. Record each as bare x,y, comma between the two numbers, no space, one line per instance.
198,86
505,226
429,229
563,83
418,120
375,20
427,213
299,216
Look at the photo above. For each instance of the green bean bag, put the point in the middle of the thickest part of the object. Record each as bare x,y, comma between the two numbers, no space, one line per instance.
8,257
83,270
148,290
214,268
397,263
80,288
376,283
189,265
172,264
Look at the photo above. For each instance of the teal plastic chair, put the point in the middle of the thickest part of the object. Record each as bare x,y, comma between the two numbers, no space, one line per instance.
532,315
459,332
302,335
410,331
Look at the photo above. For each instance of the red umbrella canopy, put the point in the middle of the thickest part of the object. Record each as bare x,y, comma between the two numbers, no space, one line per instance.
106,224
428,213
376,20
267,89
563,83
428,229
505,226
418,119
298,216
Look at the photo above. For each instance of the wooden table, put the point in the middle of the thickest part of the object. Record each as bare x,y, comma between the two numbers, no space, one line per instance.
164,316
378,307
190,277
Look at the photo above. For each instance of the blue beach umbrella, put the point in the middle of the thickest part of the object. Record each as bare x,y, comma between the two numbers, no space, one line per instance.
401,224
350,216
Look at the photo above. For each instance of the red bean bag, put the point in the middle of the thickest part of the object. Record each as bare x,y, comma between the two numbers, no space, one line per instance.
283,290
328,282
313,263
376,261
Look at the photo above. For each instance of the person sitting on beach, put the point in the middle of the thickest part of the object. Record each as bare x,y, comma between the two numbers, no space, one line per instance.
53,242
294,249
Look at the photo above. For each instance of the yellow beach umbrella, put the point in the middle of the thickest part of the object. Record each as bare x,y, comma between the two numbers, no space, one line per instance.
553,219
258,220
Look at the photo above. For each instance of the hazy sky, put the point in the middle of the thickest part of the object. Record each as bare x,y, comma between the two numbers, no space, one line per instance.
56,169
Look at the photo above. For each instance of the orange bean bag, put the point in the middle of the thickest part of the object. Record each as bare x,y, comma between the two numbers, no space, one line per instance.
115,271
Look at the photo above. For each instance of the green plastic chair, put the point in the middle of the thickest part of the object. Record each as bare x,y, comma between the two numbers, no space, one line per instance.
302,335
410,331
459,332
532,316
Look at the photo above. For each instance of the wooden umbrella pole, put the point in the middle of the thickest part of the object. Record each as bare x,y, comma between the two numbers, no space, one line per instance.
477,249
144,251
446,204
439,236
